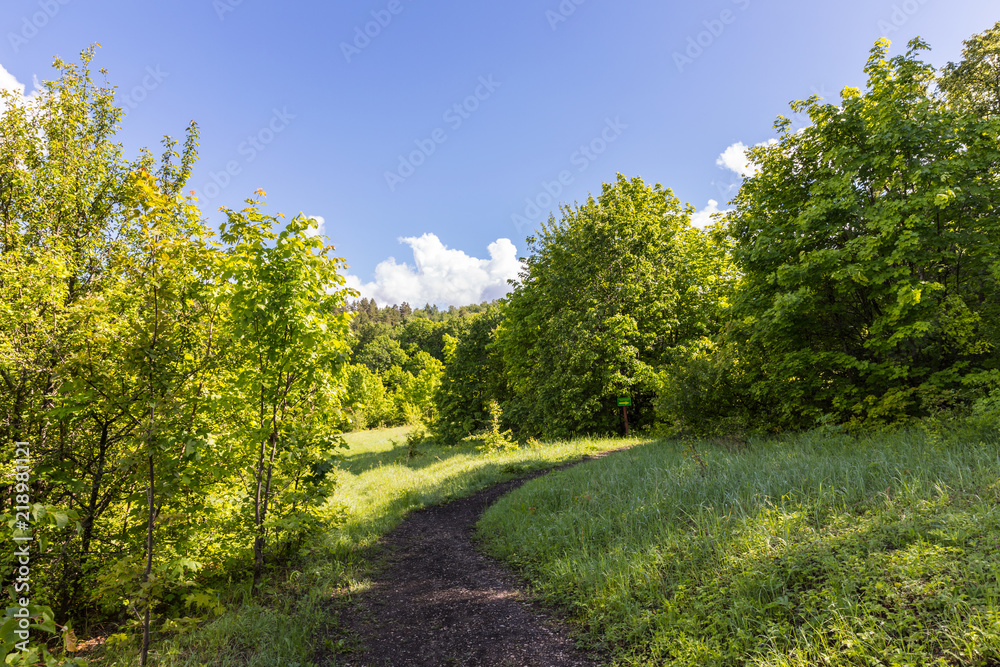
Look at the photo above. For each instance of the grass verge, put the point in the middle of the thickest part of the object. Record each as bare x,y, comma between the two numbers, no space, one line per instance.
808,550
380,481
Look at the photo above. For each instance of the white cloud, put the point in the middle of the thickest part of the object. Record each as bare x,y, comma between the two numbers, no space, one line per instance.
9,82
735,159
441,275
320,226
703,218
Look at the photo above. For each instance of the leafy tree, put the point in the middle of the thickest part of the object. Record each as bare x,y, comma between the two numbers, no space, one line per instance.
381,354
362,336
703,390
973,84
149,370
473,378
603,303
416,394
69,254
367,401
287,312
868,246
420,333
105,285
170,311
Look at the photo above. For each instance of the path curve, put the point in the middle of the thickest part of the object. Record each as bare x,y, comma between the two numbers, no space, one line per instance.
440,602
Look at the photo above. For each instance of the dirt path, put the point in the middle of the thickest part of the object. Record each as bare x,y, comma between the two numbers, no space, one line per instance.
439,602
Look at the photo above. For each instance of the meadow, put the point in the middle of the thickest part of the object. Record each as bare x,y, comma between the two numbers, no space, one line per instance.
815,549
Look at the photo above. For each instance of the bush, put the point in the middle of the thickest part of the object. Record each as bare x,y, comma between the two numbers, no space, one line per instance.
370,404
492,438
705,393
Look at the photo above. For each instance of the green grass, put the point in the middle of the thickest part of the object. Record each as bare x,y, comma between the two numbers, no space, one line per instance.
378,484
812,550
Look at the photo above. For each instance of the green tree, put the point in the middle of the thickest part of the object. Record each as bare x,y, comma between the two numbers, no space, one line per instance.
416,395
367,401
169,309
381,354
105,290
604,302
287,308
473,378
973,83
168,388
868,246
68,202
422,334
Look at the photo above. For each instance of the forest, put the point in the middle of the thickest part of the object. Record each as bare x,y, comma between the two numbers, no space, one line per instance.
175,398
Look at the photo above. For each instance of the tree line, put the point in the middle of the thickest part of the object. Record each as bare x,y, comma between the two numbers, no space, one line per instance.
854,281
398,357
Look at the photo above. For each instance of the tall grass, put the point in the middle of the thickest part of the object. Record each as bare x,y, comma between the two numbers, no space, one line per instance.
810,550
380,480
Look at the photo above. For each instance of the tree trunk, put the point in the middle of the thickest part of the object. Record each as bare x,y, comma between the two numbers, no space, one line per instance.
260,509
87,525
150,518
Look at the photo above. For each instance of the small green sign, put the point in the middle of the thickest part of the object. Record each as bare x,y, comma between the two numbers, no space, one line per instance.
624,401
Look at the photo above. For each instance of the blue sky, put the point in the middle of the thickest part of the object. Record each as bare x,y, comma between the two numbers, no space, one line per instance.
438,133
